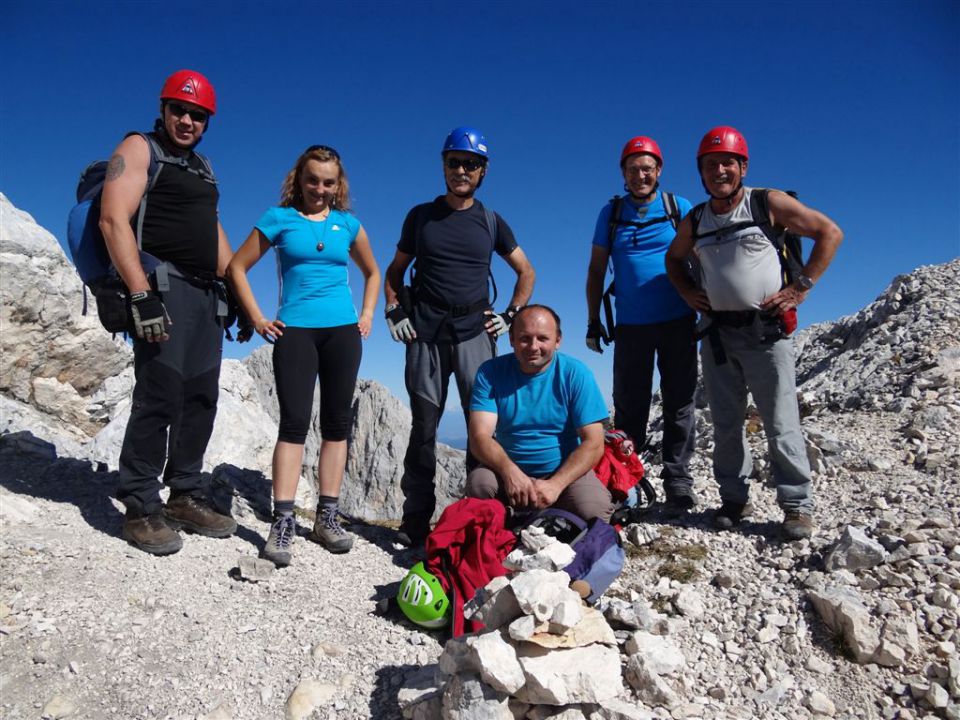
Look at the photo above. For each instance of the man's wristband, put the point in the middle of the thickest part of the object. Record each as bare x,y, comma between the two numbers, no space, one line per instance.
140,296
805,282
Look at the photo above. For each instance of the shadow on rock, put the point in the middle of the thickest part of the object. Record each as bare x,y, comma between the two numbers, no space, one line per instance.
384,703
30,466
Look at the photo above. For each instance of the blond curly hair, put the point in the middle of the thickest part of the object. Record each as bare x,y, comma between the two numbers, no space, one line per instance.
292,196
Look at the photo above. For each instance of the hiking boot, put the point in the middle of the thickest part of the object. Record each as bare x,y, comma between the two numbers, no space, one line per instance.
678,505
328,531
796,526
195,515
279,541
731,514
152,534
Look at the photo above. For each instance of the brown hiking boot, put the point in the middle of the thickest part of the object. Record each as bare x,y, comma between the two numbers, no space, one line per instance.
731,514
796,526
152,534
195,515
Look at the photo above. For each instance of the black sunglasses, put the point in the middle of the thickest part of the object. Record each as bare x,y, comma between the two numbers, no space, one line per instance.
468,164
178,110
324,148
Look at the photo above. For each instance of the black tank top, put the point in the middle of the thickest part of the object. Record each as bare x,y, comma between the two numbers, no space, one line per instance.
180,224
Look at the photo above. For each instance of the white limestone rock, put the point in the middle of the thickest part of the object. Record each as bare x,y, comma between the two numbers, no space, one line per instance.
467,697
855,551
843,613
567,676
660,655
650,687
538,592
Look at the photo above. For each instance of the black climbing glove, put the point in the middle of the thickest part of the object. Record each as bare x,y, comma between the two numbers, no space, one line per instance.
150,318
595,334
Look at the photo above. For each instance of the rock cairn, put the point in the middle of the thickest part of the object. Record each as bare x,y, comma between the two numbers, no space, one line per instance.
544,653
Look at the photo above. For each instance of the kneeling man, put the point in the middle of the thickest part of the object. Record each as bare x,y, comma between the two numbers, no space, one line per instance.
536,424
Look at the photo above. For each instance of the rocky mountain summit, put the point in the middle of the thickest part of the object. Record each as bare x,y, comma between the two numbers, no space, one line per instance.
861,621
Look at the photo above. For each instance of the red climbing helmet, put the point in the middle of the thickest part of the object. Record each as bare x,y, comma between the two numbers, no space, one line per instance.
723,139
192,87
641,144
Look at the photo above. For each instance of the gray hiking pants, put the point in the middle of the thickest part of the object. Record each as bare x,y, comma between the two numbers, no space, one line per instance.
427,375
586,496
768,371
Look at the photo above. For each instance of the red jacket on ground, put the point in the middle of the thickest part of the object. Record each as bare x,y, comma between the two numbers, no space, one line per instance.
466,551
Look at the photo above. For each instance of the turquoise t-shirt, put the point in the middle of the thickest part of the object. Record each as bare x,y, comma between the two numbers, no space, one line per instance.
644,293
312,259
538,415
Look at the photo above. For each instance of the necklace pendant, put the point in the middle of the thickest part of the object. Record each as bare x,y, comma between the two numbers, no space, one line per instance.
319,247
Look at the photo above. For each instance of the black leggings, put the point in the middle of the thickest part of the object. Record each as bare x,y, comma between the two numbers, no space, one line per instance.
300,355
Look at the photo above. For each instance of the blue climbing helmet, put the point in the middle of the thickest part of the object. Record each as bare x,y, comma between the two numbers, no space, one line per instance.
468,139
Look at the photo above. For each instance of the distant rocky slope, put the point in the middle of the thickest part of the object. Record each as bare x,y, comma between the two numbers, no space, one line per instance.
861,621
65,379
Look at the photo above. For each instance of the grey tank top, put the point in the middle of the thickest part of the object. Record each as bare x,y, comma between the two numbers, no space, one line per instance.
739,269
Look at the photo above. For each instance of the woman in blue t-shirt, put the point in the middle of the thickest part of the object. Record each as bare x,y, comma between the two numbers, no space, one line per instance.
316,334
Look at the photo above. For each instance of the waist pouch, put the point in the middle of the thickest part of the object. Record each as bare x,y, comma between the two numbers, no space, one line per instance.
764,328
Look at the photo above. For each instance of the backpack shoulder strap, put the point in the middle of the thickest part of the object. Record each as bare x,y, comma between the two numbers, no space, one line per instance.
420,215
491,219
695,214
616,203
671,209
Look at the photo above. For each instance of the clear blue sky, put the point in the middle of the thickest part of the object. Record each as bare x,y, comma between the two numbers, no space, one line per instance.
852,104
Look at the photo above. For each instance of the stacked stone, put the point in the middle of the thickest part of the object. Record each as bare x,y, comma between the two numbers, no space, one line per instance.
543,653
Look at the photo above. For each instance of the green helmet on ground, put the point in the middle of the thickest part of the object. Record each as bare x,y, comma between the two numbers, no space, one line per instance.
422,599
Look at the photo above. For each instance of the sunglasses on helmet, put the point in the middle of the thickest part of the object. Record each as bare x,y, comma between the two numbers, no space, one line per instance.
468,164
178,110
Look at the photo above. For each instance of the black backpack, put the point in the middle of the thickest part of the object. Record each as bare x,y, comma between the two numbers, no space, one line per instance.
787,244
88,249
672,215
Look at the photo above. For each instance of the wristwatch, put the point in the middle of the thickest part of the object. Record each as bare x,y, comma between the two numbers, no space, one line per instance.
804,282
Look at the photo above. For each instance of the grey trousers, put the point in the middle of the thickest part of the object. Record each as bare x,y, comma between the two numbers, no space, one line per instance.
428,370
768,371
586,496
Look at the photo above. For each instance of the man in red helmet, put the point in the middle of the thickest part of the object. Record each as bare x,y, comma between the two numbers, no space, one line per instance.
748,299
652,319
177,313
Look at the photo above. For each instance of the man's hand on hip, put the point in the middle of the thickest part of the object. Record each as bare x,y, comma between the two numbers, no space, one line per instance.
150,319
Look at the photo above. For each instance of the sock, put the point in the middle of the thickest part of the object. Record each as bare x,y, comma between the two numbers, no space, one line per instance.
327,501
282,507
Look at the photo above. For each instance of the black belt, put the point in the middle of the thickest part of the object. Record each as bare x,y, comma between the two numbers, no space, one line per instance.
457,310
738,319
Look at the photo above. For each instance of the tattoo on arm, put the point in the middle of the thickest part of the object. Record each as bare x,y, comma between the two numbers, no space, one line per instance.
115,167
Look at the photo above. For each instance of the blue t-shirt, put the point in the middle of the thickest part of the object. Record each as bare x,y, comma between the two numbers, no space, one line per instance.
312,258
644,293
538,415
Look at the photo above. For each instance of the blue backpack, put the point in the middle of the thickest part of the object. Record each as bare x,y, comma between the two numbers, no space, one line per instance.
599,555
87,246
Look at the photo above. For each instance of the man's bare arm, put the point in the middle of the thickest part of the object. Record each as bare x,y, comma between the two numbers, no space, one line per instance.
393,277
792,214
595,272
584,458
125,184
676,265
224,251
523,287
